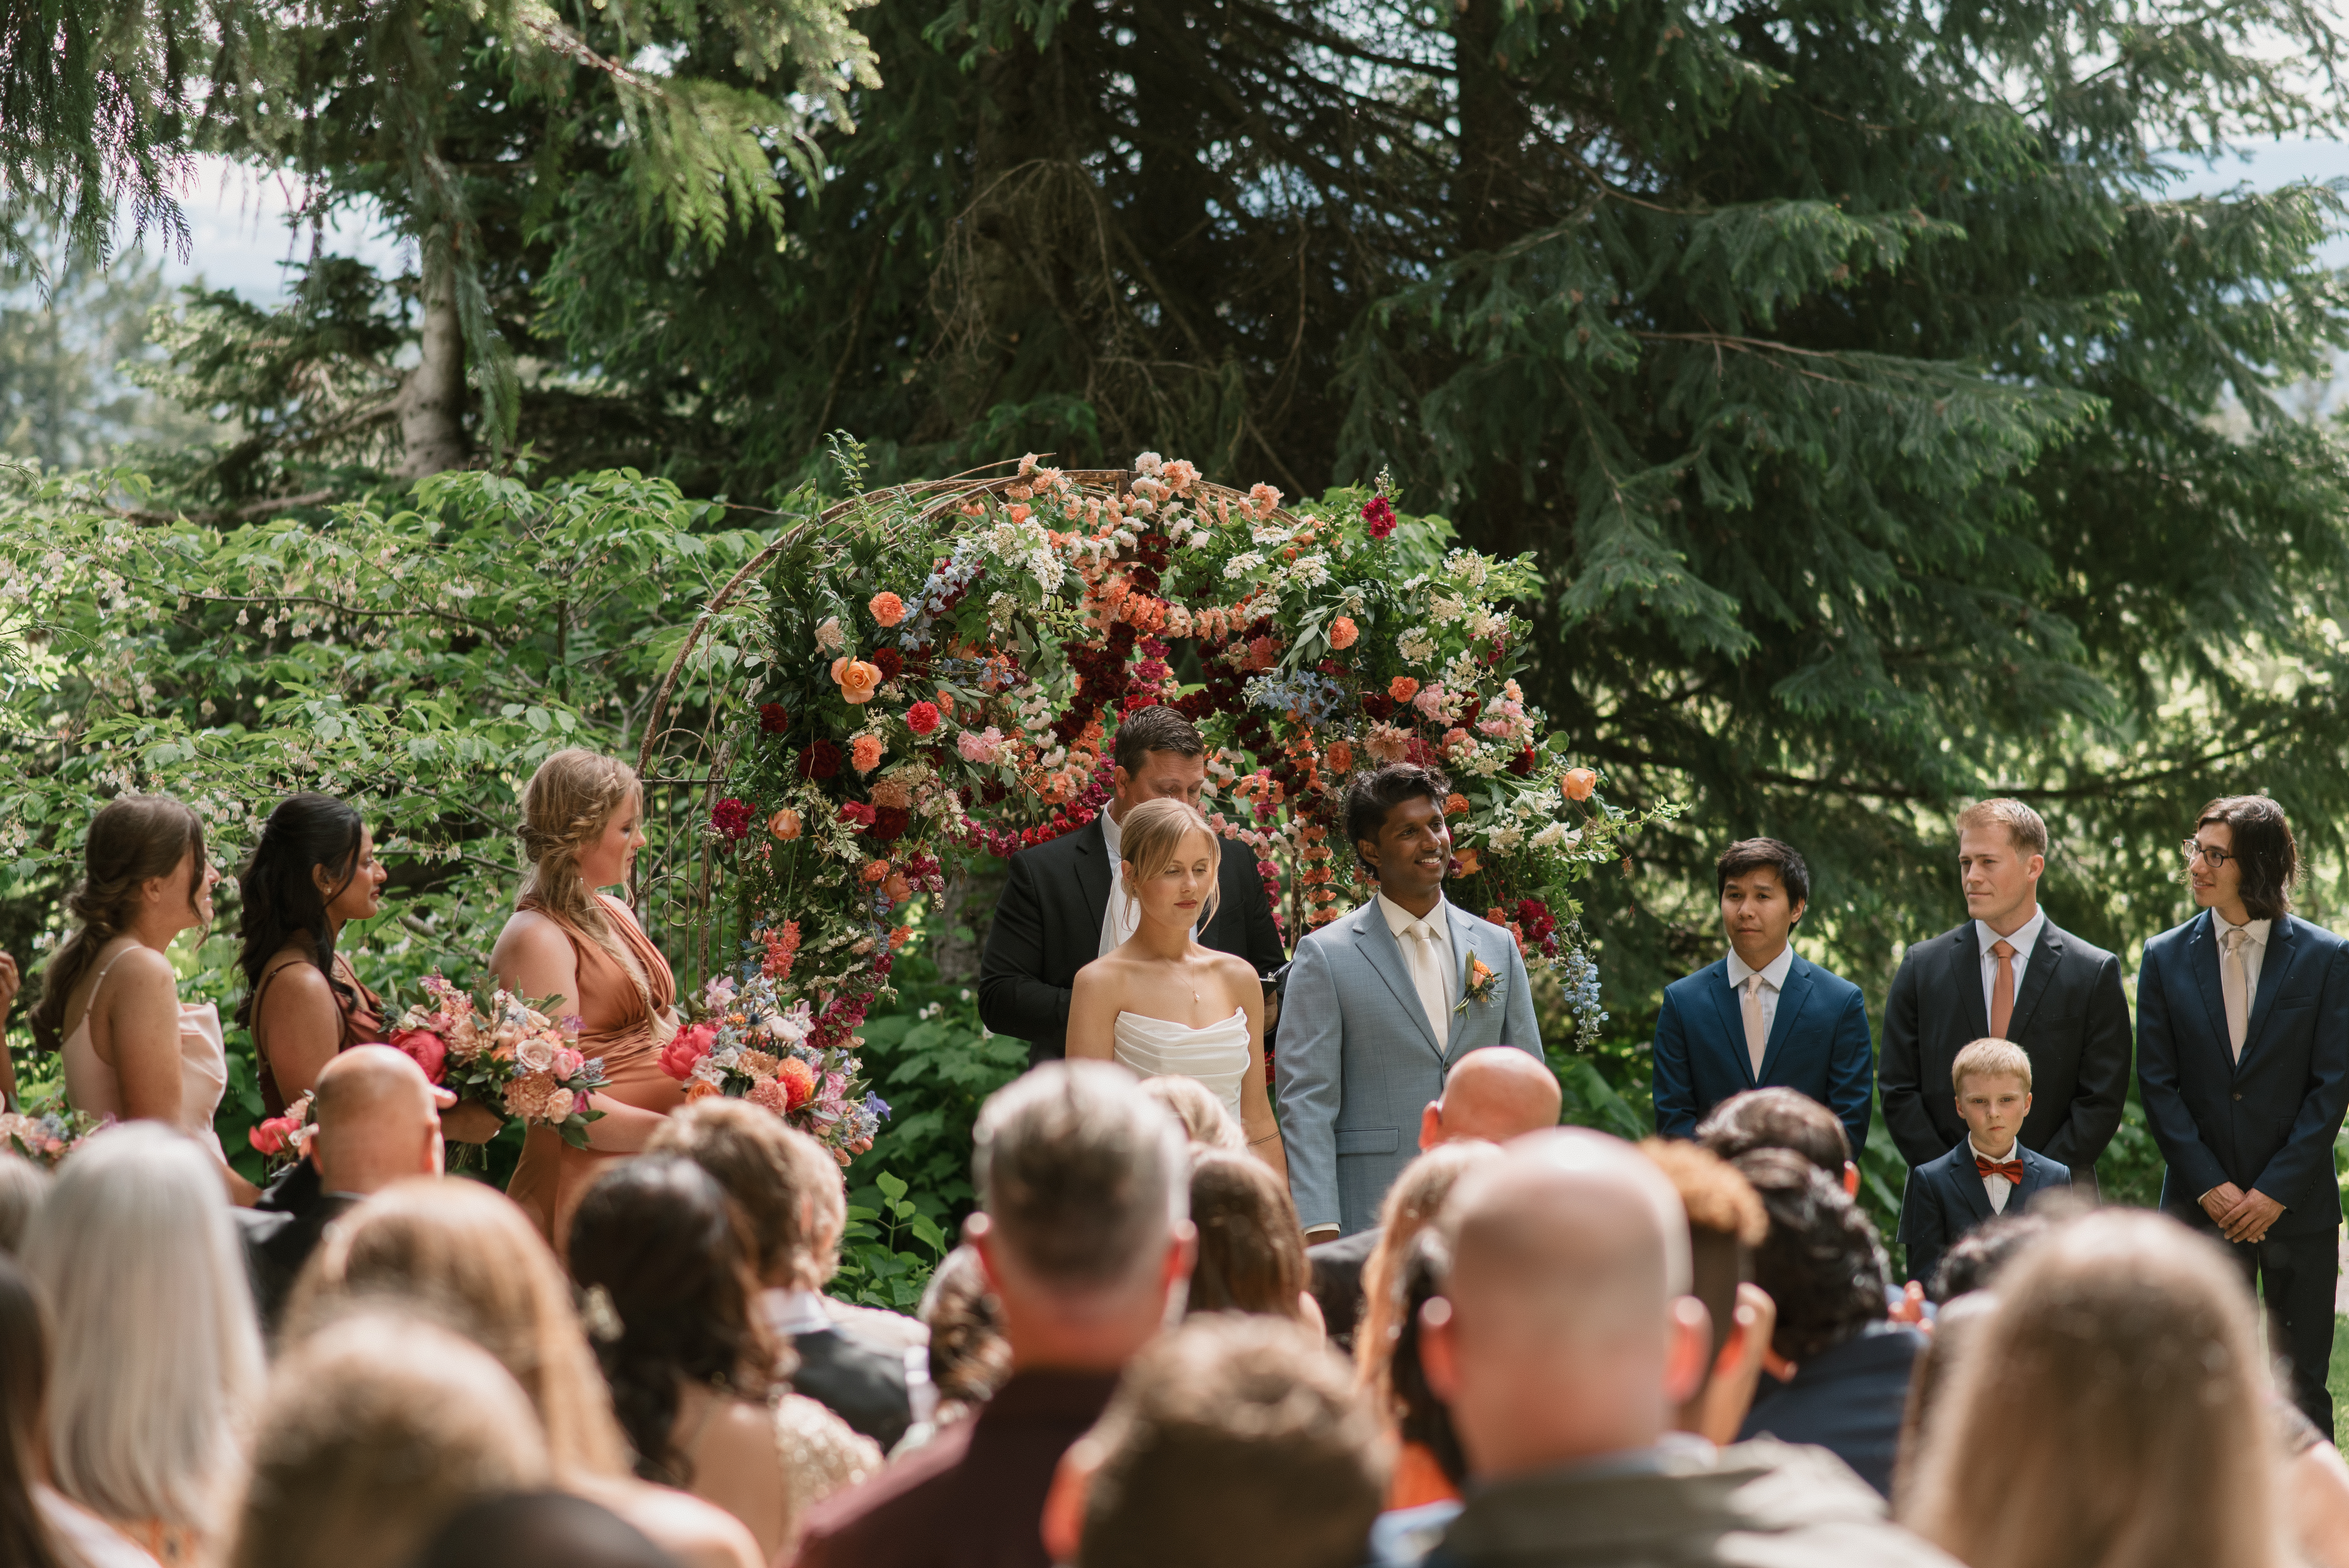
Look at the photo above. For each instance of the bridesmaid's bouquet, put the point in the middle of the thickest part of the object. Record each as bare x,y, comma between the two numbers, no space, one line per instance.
751,1043
513,1055
282,1140
45,1135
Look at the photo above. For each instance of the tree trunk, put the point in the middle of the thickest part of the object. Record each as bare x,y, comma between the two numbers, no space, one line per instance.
1495,127
432,402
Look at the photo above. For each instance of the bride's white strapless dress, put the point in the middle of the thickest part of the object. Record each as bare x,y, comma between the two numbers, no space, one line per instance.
1217,1054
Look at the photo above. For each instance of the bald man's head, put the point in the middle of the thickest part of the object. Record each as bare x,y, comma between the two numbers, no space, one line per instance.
377,1121
1495,1094
1567,1327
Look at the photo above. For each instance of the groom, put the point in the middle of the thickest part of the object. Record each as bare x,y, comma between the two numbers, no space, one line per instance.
1381,1002
1059,909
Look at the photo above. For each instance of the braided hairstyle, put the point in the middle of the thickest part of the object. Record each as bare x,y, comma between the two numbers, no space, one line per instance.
566,807
279,899
132,839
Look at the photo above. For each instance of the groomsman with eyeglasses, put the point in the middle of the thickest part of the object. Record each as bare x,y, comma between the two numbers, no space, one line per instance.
2243,1063
2009,973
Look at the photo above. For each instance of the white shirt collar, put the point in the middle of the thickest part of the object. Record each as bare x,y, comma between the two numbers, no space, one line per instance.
1109,828
793,1312
1400,920
2013,1151
2025,938
1774,974
2258,929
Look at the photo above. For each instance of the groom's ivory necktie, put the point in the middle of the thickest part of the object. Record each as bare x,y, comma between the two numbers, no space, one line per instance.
2002,989
1757,1032
2235,984
1426,961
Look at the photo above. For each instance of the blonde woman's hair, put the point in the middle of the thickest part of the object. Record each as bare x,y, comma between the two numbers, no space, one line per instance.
376,1431
1411,1206
157,1357
1151,835
464,1254
1204,1121
2112,1411
566,807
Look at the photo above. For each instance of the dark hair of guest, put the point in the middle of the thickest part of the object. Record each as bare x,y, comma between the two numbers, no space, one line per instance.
1755,854
539,1530
133,839
2264,847
1821,1262
279,899
1251,1253
1975,1260
659,1238
1155,728
1778,1118
1371,796
1421,1417
24,1383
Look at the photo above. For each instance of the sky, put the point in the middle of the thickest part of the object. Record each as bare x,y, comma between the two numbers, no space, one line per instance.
238,218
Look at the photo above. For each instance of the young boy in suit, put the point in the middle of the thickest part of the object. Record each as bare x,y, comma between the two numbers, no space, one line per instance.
1988,1173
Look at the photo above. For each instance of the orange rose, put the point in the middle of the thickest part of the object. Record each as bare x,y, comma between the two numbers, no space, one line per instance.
887,607
858,680
697,1090
900,936
784,824
1340,758
1343,633
1402,688
1455,805
896,890
1470,858
1579,783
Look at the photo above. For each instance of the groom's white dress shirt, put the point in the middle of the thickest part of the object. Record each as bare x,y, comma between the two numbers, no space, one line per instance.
1426,946
1123,914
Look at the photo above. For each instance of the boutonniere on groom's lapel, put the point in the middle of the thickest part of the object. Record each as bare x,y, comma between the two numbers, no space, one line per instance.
1475,984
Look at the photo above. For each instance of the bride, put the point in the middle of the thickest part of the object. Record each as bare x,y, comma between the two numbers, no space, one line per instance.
1162,1004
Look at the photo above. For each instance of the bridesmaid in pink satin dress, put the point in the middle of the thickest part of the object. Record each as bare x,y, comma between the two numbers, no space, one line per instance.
582,822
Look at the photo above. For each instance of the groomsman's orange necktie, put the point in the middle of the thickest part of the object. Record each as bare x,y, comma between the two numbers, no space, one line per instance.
2002,988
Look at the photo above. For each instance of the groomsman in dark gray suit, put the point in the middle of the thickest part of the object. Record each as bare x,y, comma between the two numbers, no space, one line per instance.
2011,974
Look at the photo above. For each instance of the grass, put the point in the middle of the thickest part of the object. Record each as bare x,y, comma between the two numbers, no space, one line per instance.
2336,1378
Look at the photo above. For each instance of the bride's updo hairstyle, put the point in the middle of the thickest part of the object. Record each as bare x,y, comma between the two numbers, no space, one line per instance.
1149,837
132,839
566,807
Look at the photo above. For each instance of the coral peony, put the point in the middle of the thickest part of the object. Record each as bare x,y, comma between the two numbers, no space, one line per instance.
864,753
730,817
1579,783
887,607
773,719
784,824
797,1079
856,679
769,1094
1402,688
1343,633
946,701
1340,758
685,1048
1455,805
422,1046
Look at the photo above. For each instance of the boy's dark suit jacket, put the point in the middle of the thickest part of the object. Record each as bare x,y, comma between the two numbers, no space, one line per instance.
1818,1046
1947,1198
2070,1019
1048,926
2267,1121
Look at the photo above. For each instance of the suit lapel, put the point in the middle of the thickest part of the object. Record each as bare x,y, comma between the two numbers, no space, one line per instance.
1791,998
1970,1186
2037,971
1385,953
2202,958
1733,1021
2275,966
1966,981
1094,873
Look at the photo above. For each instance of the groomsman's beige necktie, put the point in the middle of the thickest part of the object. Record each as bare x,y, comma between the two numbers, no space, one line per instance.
2002,988
1757,1032
1427,975
2236,986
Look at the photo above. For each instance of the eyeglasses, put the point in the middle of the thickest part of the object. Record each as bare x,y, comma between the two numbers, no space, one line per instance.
2211,855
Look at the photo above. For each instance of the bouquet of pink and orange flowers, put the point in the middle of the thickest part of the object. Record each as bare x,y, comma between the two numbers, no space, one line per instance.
282,1140
511,1056
751,1043
45,1135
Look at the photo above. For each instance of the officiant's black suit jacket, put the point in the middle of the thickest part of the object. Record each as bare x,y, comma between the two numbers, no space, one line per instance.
1048,926
2070,1019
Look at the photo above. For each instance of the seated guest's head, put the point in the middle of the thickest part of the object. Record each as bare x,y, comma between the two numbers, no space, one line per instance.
655,1244
1084,1213
1204,1121
373,1432
1494,1093
1954,1331
1726,1226
157,1357
1251,1253
1564,1330
463,1255
24,1384
1404,1395
968,1360
539,1530
1780,1119
1820,1261
2113,1411
22,1185
1975,1260
788,1190
1239,1441
1411,1206
375,1121
1991,1079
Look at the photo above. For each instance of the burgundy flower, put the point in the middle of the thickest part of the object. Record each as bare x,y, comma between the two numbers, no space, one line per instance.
730,817
890,822
889,661
819,761
1522,764
1377,704
1380,513
773,720
857,811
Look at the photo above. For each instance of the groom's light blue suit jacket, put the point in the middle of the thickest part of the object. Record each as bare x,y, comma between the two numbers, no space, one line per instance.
1357,1062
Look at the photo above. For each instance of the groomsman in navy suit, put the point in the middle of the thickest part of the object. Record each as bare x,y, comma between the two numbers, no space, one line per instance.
1762,1017
1989,1172
2243,1063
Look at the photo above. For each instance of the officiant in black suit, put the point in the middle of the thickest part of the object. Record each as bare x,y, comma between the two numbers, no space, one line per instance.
1057,914
2010,973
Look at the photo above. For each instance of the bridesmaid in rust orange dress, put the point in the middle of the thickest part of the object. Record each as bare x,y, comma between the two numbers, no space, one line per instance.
582,822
